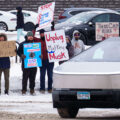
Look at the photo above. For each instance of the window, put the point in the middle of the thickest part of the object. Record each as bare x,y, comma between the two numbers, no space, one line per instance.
114,18
15,13
26,14
76,12
102,18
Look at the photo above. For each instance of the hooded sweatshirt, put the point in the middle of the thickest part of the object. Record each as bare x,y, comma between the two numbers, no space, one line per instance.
78,44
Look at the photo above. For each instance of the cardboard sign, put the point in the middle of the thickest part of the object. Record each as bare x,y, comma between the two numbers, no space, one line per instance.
106,29
56,46
45,15
32,51
7,48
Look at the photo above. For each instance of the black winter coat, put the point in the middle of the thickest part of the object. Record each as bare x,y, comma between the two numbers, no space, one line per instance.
20,50
20,20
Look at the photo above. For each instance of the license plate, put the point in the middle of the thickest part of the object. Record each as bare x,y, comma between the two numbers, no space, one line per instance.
83,95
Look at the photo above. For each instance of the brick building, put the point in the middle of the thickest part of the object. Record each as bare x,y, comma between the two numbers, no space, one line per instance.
60,4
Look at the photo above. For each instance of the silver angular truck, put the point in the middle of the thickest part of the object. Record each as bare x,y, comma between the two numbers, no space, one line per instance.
89,80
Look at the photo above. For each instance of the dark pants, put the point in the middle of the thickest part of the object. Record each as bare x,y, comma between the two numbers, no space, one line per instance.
49,67
6,77
29,73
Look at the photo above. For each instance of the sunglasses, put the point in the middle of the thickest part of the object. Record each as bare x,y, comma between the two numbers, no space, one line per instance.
77,34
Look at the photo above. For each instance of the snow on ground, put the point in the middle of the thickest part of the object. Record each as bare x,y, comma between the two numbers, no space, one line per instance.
18,103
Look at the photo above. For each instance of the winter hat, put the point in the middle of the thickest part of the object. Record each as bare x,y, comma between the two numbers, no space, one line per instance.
19,8
29,34
68,37
41,31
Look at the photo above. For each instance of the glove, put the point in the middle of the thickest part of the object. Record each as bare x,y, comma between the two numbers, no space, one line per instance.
41,56
37,25
53,25
23,56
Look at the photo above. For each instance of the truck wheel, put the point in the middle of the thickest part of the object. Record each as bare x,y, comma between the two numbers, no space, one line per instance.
67,112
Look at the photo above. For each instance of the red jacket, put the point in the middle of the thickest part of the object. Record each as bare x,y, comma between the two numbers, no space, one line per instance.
43,46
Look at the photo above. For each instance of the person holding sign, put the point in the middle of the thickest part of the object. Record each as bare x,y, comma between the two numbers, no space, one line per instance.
4,67
46,65
77,43
28,73
69,47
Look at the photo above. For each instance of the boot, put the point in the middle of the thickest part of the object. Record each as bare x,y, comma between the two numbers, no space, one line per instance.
50,91
23,92
6,92
42,91
32,91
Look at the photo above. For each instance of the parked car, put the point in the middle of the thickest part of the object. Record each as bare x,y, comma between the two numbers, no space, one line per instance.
118,10
89,80
85,23
69,12
30,18
7,21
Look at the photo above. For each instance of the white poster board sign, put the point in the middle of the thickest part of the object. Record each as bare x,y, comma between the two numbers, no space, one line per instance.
56,46
106,30
46,15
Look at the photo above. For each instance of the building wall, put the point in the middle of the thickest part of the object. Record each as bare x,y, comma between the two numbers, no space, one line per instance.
60,4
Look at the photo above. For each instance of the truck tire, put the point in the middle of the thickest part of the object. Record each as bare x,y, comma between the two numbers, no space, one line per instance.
67,112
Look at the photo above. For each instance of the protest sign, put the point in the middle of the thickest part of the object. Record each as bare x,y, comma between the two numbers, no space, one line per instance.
32,51
45,15
7,48
56,46
106,29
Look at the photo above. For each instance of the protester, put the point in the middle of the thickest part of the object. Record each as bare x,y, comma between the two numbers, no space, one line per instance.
20,23
70,49
77,43
46,65
4,67
28,73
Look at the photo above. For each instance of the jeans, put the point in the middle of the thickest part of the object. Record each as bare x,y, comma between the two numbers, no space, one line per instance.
6,76
49,67
19,33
